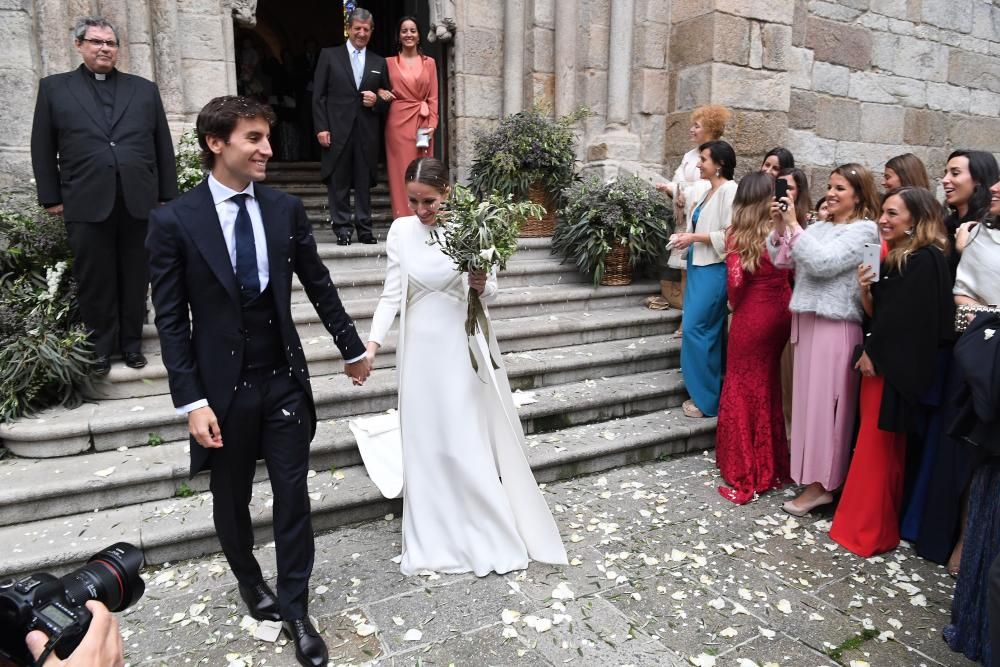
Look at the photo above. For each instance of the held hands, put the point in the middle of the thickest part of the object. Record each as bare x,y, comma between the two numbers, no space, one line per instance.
372,349
386,95
323,138
360,369
102,645
865,365
368,98
477,281
205,428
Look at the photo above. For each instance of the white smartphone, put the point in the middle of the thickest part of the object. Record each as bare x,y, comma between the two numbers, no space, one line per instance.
871,256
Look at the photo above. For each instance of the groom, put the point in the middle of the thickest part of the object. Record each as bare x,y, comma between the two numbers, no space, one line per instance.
225,253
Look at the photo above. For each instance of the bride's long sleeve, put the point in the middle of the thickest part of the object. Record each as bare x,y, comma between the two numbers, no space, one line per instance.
392,290
490,291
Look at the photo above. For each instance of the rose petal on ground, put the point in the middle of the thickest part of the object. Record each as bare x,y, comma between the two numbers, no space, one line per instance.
413,635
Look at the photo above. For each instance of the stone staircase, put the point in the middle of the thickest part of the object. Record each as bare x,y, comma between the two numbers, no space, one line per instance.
602,371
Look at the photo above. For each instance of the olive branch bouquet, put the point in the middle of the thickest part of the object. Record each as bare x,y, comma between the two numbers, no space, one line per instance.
480,235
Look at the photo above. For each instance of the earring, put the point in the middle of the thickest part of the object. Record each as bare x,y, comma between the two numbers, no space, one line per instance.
718,172
909,232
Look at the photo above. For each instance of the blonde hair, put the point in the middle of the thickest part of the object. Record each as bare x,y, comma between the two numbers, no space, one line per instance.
928,225
713,119
751,219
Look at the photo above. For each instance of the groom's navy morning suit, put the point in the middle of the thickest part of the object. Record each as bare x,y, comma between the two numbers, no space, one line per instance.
239,350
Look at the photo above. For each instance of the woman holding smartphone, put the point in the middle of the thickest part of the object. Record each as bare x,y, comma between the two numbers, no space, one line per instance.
911,314
826,326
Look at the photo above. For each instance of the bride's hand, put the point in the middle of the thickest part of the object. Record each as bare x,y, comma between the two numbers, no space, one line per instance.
370,351
477,281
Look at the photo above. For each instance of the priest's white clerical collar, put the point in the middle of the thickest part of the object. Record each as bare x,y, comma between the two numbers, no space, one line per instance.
99,76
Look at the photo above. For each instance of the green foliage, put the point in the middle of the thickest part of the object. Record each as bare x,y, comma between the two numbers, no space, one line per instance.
600,215
154,440
526,147
184,491
480,234
45,358
188,158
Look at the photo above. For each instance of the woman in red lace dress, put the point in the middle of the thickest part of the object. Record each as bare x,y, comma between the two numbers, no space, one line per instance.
751,447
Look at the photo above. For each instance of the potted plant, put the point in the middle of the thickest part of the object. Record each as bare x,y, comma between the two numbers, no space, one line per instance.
190,171
611,229
529,155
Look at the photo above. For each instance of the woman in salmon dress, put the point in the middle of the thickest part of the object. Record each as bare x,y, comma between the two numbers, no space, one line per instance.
414,107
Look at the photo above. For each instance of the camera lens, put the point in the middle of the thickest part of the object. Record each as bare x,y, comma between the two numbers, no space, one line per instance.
110,576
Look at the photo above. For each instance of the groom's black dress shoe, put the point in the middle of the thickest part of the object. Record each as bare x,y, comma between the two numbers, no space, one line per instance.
261,601
310,650
135,360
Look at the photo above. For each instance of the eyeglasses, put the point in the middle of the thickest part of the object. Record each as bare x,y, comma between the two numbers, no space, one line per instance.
110,43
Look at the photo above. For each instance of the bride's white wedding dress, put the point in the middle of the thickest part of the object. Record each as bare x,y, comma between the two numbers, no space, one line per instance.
470,502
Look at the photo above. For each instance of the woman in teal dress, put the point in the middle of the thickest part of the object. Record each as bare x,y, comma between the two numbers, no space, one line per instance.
704,320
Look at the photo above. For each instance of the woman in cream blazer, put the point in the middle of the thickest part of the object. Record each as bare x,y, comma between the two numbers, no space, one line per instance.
709,214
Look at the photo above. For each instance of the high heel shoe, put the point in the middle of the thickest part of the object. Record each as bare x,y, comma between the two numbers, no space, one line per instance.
789,507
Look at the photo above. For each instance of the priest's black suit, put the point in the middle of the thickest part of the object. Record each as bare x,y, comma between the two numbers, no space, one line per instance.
246,359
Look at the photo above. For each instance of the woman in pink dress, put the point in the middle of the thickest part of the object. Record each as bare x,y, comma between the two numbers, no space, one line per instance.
751,446
414,108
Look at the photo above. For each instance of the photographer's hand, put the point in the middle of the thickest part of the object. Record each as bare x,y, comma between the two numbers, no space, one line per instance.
102,645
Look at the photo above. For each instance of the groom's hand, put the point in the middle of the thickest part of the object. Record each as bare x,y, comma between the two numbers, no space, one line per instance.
359,370
205,428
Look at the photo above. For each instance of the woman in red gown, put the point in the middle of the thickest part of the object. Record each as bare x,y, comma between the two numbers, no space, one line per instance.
751,445
911,313
414,107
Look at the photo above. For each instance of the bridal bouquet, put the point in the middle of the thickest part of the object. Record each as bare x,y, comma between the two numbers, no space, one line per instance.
480,235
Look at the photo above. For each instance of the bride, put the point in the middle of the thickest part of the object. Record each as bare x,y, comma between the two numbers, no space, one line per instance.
470,502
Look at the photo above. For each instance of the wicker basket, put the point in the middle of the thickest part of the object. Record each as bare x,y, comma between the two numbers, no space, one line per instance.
546,225
617,270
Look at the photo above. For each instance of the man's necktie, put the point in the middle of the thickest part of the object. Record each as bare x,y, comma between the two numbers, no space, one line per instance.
356,65
246,253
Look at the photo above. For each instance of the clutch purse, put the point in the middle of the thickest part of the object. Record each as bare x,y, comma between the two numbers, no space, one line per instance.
963,312
424,137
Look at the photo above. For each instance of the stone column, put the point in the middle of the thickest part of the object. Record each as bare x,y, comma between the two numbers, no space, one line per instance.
116,12
140,41
513,56
167,57
620,62
54,37
565,60
618,142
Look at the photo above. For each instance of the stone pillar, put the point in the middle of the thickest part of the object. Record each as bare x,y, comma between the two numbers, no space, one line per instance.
620,62
618,142
140,42
565,57
513,56
54,34
167,57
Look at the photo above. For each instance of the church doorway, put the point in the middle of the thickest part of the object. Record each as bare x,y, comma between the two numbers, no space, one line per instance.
275,61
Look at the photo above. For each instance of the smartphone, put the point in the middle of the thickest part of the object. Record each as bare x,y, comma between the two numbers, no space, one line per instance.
781,190
872,256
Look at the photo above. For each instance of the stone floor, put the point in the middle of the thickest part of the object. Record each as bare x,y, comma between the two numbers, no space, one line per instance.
663,572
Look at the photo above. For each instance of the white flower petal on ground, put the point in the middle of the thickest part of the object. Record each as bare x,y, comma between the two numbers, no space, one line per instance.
365,630
267,631
398,621
509,633
413,635
196,609
717,603
815,617
104,472
728,632
679,595
563,592
509,616
784,606
918,600
746,662
769,634
895,623
321,590
702,660
859,663
177,618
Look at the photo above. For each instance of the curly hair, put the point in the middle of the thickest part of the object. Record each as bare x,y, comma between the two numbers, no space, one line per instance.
713,119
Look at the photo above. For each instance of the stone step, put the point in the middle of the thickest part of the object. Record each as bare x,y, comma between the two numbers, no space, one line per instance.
510,303
110,424
176,528
44,488
363,256
542,332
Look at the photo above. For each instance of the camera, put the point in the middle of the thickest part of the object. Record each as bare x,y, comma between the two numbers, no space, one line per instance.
55,605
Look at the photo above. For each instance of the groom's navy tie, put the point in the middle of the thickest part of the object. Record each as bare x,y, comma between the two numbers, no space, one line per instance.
246,253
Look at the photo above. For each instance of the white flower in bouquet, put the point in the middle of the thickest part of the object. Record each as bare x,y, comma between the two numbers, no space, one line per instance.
480,236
